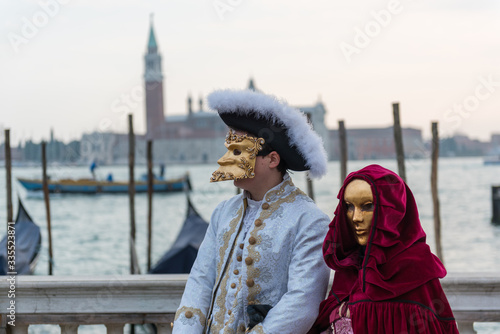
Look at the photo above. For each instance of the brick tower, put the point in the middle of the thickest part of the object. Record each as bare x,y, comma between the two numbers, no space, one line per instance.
153,84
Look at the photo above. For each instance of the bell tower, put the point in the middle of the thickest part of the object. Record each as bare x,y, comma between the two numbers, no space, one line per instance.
153,84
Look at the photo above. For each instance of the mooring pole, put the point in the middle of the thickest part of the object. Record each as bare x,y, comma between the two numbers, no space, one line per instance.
343,152
150,199
131,190
434,190
47,202
8,170
398,141
310,188
8,173
495,201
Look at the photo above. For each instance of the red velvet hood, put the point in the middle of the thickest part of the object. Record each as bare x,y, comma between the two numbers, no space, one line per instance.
397,259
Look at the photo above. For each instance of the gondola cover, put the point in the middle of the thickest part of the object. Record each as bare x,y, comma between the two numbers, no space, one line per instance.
27,244
180,258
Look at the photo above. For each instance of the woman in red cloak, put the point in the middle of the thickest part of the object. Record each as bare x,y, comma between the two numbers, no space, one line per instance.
386,278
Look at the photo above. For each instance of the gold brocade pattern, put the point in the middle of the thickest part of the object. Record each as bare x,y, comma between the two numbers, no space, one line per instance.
278,192
221,303
235,305
252,271
227,237
194,311
220,299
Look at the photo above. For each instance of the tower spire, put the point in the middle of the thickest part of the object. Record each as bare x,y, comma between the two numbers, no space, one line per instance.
152,45
153,77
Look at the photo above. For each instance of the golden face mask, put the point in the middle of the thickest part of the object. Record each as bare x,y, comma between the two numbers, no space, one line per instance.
358,198
239,161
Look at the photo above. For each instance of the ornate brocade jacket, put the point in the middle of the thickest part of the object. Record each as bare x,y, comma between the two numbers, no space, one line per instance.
275,260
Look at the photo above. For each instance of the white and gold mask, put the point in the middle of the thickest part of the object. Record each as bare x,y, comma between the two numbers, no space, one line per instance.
239,161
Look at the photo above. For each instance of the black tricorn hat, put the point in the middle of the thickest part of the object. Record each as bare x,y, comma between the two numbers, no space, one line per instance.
284,128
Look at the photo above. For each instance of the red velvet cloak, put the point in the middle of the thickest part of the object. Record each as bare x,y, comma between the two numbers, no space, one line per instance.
394,287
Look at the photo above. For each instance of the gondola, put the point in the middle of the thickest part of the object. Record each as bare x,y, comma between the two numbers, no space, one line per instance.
89,186
492,160
28,242
180,258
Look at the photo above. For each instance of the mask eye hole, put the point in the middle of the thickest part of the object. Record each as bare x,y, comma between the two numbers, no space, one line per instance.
236,152
368,207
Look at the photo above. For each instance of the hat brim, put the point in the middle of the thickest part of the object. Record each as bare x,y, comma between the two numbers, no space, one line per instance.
274,134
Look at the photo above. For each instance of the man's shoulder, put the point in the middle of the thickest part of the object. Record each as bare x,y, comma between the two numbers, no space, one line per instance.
230,203
304,200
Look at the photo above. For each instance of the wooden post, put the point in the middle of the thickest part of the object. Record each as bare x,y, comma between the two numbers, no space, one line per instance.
343,152
8,173
398,142
47,201
3,322
150,199
131,189
495,202
434,189
310,189
8,169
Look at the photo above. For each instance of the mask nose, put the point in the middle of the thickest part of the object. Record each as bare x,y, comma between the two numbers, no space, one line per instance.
226,159
357,216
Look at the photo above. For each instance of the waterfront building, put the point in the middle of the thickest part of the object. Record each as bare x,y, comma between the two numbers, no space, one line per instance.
495,139
462,146
377,143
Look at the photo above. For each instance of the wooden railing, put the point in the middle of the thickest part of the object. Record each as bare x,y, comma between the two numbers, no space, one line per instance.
153,299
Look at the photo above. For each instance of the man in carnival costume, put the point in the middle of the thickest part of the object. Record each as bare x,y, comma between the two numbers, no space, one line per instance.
259,268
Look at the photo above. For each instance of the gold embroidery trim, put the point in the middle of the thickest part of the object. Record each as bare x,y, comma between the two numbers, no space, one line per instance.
195,311
227,237
220,301
235,305
252,271
279,191
221,296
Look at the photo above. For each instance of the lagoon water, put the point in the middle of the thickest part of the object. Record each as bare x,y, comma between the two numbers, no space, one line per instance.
90,232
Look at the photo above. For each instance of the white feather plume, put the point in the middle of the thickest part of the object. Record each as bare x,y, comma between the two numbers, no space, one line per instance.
299,131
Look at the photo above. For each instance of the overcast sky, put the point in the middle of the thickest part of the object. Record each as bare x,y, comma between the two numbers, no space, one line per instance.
76,66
